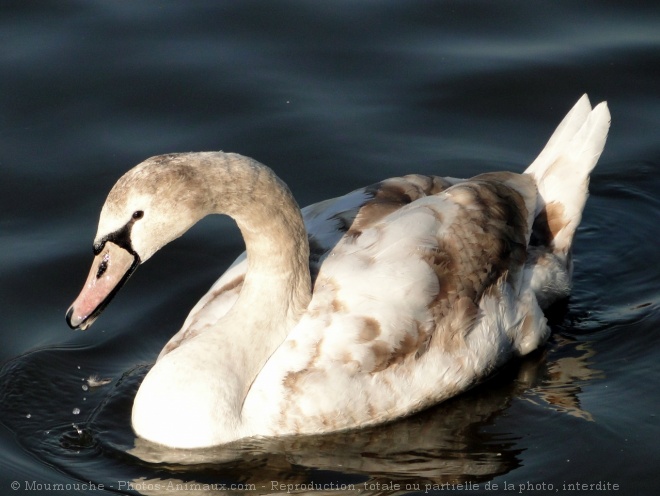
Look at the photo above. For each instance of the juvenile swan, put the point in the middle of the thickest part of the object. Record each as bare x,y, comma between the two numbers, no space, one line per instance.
356,310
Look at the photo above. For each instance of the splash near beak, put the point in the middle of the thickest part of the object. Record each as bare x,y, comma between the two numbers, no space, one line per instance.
111,268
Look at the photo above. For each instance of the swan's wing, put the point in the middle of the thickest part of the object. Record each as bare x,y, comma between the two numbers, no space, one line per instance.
414,304
331,221
327,222
395,282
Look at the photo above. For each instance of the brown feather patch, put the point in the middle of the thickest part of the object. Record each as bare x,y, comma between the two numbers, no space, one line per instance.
547,224
370,330
486,241
390,195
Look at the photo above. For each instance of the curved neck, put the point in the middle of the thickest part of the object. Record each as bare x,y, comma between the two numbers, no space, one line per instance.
277,286
210,375
275,238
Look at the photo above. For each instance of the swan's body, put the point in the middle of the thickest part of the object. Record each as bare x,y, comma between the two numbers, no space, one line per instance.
422,286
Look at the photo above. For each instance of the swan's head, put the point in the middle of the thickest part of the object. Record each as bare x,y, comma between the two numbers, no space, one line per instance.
152,204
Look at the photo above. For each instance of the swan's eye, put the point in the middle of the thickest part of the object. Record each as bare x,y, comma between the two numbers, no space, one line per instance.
138,214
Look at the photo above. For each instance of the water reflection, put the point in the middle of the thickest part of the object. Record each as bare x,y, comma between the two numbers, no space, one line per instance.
564,378
458,441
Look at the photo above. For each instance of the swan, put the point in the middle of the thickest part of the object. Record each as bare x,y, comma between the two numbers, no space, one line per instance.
353,311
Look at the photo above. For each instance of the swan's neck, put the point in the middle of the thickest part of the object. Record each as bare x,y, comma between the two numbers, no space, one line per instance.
196,392
277,286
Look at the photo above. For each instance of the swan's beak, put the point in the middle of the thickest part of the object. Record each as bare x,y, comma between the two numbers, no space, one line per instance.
111,268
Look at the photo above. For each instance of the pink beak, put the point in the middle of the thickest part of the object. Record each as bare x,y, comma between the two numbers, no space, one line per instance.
111,268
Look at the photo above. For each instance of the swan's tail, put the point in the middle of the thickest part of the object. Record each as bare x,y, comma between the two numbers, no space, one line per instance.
561,172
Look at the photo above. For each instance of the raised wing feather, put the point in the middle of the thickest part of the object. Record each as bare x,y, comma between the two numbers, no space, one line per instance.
418,274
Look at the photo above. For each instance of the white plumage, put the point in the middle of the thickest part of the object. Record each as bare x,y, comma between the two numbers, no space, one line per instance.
385,301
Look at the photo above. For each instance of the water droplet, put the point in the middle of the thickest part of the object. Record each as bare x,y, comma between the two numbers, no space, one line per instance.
85,387
78,367
76,411
28,415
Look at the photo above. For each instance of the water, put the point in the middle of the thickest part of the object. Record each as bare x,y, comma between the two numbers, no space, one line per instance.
332,96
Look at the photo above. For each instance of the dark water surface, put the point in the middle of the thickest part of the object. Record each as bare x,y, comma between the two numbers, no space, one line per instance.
333,96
